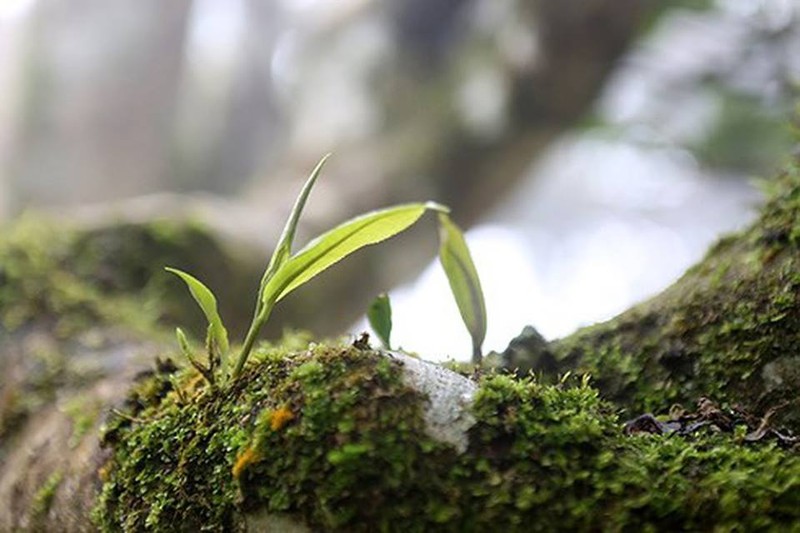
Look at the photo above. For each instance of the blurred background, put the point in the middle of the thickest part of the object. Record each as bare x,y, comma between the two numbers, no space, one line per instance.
594,148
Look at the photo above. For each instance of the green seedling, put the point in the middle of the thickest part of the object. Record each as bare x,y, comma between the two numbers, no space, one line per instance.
286,272
379,315
464,282
208,303
206,371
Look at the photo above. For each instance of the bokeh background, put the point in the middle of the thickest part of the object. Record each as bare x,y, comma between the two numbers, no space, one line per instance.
593,148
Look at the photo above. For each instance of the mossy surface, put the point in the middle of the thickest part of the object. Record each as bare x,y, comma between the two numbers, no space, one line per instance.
76,303
729,329
83,412
39,280
74,279
331,437
67,297
43,498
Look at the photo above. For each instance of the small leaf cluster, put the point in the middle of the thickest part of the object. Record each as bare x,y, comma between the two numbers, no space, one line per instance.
456,260
286,272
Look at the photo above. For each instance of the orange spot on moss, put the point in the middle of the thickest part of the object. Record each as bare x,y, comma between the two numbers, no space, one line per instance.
104,472
280,417
245,459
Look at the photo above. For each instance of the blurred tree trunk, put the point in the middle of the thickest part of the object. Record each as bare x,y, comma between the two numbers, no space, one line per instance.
549,81
229,125
98,98
438,134
542,63
252,136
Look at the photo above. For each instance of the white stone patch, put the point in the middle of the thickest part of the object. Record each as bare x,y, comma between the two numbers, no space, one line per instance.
450,395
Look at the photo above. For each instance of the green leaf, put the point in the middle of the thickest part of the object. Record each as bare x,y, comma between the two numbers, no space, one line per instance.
208,303
464,282
183,342
333,246
283,250
379,315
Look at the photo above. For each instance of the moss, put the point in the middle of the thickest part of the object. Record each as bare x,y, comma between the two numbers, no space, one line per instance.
84,413
112,275
35,284
46,277
231,432
746,136
67,294
43,498
727,329
332,437
48,307
126,259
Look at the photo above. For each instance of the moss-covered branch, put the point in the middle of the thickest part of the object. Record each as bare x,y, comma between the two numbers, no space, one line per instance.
335,436
728,329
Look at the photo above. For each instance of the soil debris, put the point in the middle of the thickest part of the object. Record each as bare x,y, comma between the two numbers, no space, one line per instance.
711,417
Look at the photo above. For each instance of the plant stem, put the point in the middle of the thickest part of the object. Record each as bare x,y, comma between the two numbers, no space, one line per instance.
250,339
477,353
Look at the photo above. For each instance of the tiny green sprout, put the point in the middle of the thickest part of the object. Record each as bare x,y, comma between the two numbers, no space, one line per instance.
286,272
379,315
208,303
206,371
464,282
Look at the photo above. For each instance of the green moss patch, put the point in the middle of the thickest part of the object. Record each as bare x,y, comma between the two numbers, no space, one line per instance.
196,462
38,281
43,498
331,437
74,280
68,295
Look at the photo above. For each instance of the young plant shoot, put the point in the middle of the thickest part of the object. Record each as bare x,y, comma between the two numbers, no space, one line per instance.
464,282
286,272
379,315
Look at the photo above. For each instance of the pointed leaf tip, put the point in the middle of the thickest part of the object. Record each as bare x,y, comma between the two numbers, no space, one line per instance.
283,250
183,342
436,206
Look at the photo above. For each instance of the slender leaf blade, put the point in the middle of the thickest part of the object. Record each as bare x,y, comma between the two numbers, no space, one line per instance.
183,341
464,282
208,304
283,250
336,244
379,315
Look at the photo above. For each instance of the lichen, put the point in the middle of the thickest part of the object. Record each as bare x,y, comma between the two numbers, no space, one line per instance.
331,437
